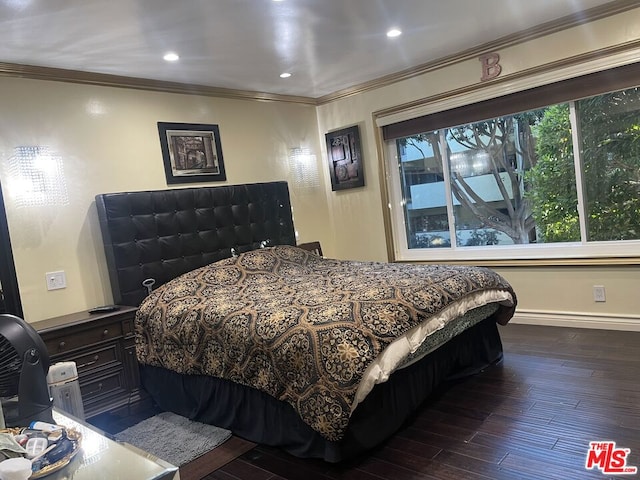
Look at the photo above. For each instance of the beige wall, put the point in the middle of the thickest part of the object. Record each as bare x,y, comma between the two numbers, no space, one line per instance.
108,141
357,215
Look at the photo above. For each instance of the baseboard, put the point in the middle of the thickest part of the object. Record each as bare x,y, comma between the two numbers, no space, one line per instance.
578,320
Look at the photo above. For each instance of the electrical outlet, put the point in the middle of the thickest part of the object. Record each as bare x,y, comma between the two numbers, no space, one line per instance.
56,280
598,293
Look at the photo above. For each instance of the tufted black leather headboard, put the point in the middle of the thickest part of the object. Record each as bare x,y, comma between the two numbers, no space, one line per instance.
164,233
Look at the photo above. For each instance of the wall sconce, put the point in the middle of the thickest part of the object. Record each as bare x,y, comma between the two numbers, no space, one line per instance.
36,177
303,167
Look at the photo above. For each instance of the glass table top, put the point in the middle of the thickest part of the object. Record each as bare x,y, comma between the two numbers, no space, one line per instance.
101,458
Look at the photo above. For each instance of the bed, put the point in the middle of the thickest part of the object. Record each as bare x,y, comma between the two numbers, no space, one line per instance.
239,327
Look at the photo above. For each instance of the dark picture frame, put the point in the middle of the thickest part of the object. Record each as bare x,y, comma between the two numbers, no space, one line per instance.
192,152
345,158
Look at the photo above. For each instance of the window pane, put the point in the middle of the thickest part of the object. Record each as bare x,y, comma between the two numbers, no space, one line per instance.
551,181
487,166
609,127
422,182
512,181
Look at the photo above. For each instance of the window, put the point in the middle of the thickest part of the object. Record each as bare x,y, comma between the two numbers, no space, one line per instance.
555,181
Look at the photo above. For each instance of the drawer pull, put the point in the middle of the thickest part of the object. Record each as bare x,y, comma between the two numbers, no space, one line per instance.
88,364
105,333
62,345
96,391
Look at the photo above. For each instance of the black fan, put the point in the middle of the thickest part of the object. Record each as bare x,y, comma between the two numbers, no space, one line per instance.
24,363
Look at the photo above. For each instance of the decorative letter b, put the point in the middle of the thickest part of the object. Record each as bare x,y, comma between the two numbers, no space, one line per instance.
490,66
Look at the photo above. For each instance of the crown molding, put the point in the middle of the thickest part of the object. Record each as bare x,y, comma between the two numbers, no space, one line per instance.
117,81
620,54
564,23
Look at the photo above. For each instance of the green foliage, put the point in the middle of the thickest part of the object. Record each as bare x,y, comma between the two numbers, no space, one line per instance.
610,131
552,185
610,127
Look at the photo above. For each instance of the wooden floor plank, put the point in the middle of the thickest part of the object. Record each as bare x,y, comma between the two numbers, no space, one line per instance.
507,422
530,417
216,458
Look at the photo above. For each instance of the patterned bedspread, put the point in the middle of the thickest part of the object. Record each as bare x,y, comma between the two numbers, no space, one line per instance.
301,328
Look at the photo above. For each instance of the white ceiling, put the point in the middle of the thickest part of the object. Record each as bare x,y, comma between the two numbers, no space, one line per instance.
327,45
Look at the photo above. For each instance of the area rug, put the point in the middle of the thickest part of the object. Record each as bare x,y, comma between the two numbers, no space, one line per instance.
173,438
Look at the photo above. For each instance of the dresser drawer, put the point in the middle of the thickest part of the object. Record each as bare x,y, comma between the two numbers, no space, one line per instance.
71,341
107,384
93,359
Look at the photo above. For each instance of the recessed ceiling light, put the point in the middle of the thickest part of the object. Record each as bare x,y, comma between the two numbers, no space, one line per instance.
394,32
285,75
171,57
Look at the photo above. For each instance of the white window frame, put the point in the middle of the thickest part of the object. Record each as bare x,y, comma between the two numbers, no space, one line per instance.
534,251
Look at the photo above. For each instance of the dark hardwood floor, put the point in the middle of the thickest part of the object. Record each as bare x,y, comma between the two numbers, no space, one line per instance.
530,417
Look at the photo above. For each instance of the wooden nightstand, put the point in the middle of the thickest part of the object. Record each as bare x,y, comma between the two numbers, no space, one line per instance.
103,347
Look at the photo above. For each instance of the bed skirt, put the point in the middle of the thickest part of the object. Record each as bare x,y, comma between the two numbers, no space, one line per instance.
259,417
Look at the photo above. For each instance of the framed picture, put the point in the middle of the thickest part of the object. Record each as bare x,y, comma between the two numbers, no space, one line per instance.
345,158
191,152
